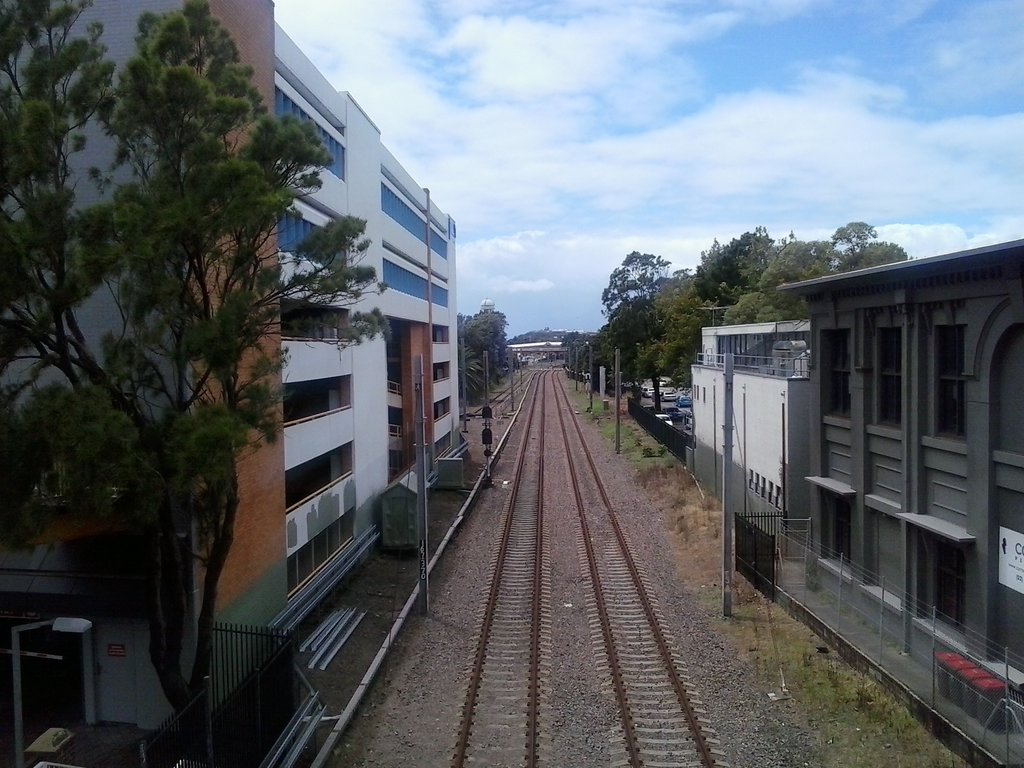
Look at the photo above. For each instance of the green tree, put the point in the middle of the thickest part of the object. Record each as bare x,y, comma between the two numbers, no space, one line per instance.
633,323
856,247
184,381
682,314
726,272
485,332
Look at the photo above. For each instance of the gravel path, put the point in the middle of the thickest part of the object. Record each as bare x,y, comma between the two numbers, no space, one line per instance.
410,716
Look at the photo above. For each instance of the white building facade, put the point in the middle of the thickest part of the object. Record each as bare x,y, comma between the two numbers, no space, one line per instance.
349,410
769,415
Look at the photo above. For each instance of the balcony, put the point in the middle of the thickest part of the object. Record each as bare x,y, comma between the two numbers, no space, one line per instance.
308,438
780,366
329,501
309,359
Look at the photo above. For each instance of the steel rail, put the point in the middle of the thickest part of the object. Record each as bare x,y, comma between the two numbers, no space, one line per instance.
459,759
703,747
618,682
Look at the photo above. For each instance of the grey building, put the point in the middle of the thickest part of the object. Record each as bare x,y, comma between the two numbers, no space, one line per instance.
917,436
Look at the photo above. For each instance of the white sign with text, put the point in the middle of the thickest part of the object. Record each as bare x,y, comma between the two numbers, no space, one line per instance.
1011,559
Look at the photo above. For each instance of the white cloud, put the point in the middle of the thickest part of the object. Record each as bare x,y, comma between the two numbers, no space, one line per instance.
562,136
529,286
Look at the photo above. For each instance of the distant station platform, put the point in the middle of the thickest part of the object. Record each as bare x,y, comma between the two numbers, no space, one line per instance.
540,350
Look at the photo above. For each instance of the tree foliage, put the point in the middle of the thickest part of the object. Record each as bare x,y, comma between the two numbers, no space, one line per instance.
634,326
656,320
149,313
485,332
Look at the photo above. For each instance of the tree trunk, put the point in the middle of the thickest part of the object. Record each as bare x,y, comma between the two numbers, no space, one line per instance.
220,546
167,606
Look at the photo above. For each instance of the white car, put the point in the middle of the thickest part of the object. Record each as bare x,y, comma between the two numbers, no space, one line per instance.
669,392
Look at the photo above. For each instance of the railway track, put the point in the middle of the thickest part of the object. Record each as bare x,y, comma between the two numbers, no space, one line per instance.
500,720
661,720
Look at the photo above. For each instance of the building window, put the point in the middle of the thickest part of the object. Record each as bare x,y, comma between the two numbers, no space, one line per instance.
410,220
950,581
890,375
443,444
306,480
285,106
304,562
441,371
313,323
442,408
305,399
838,344
292,230
440,334
950,412
396,462
841,527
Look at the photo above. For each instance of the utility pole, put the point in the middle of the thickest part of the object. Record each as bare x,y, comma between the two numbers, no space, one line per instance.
512,377
590,375
726,508
421,481
485,433
465,387
618,394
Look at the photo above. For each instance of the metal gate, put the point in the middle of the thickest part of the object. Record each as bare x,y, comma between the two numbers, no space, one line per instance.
755,551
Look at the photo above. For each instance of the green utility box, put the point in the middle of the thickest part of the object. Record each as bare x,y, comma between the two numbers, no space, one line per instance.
398,518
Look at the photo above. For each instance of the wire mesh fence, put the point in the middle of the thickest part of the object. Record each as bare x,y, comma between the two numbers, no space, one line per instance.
959,673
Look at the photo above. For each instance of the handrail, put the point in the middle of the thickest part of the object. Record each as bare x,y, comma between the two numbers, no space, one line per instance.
317,492
797,366
315,416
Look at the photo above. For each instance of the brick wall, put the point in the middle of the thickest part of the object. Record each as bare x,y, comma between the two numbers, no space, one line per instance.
259,545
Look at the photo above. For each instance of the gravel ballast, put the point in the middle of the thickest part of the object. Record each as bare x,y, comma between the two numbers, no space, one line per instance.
411,714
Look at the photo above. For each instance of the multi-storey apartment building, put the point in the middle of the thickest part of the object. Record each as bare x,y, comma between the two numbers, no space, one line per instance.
348,411
917,435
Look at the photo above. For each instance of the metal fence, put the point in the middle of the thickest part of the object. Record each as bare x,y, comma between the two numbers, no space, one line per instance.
249,700
755,550
959,674
788,366
675,440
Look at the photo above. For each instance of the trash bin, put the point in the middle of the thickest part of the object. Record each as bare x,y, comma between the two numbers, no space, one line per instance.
950,664
969,680
990,699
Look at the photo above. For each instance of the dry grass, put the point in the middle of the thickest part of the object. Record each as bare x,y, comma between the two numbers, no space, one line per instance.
859,724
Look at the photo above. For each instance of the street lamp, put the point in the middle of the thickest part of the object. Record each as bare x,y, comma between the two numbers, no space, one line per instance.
73,626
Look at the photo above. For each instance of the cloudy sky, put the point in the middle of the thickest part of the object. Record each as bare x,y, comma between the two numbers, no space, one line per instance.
561,136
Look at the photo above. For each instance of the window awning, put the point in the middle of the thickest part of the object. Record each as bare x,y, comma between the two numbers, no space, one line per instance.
939,527
837,487
882,504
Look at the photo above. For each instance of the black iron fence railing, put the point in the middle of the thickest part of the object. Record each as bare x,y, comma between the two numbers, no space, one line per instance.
249,699
674,439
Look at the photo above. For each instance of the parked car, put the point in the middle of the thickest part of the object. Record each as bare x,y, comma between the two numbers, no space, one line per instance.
674,413
647,390
669,392
664,417
684,401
